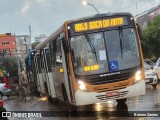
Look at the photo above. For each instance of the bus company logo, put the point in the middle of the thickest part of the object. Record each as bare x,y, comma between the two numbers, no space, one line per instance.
110,74
21,114
6,114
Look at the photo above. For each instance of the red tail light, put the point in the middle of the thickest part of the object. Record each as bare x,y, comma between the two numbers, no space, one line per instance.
1,103
6,86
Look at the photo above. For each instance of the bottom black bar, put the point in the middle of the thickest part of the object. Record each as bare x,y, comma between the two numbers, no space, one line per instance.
80,114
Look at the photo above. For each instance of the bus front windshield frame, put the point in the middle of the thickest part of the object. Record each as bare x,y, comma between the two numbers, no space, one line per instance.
103,52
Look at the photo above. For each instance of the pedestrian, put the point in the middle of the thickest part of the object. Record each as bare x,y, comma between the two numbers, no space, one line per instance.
6,79
22,88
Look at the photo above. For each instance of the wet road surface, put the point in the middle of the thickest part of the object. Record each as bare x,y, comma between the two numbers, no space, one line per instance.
150,102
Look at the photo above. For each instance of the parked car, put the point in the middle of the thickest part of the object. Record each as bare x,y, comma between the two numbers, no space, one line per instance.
150,76
150,63
158,60
156,68
4,90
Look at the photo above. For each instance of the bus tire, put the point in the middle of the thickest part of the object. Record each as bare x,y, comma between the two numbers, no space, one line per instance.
73,108
65,97
121,101
55,101
37,93
50,99
47,92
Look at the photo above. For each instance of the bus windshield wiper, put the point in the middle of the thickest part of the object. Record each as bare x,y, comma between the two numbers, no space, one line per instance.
121,37
91,45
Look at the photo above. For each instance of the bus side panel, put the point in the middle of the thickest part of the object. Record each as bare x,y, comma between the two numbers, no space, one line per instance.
36,73
57,77
51,84
41,84
44,74
39,78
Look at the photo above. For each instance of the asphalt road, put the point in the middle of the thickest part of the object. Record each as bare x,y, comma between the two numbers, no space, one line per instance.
134,106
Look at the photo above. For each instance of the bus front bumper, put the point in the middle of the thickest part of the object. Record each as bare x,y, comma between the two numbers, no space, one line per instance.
86,98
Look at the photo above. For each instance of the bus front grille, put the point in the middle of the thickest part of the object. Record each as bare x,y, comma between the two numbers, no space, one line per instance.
109,79
104,97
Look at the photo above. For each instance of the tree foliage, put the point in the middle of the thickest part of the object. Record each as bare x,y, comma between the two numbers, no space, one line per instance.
10,65
34,44
151,38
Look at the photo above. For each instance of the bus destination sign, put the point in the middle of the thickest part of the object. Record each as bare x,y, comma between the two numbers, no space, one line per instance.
99,24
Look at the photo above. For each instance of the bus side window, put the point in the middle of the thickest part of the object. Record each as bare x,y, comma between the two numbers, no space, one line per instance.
41,60
58,53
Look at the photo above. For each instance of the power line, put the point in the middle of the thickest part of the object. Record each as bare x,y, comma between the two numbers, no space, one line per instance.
134,7
138,5
141,7
130,4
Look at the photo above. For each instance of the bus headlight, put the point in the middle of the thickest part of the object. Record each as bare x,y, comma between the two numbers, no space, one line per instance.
82,85
138,76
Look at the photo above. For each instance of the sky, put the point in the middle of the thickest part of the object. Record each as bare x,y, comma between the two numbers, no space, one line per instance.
45,16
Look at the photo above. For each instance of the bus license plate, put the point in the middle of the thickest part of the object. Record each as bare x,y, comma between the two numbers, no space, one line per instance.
112,93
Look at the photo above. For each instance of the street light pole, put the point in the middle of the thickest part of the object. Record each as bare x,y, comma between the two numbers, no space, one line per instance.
86,3
94,7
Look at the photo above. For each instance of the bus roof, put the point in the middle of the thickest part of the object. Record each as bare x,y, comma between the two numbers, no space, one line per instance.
101,15
49,38
54,34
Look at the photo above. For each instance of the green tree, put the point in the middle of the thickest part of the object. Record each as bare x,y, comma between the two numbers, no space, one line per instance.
34,44
10,65
151,38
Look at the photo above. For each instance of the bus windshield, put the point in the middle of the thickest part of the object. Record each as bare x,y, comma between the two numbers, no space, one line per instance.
103,52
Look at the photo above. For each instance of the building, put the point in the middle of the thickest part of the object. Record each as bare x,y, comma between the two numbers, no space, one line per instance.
8,44
23,45
145,18
40,38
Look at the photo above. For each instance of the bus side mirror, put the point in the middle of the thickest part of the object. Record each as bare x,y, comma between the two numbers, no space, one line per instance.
139,31
64,42
140,35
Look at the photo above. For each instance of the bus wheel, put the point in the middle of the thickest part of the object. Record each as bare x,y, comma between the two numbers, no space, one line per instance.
65,97
38,94
50,99
73,107
55,101
48,96
121,101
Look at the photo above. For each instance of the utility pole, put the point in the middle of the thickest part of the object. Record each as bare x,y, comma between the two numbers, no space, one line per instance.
30,47
29,75
86,3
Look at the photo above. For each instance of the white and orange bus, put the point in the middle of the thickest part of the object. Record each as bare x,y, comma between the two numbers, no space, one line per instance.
92,60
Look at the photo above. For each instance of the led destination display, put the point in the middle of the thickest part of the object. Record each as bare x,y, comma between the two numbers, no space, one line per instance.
99,24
